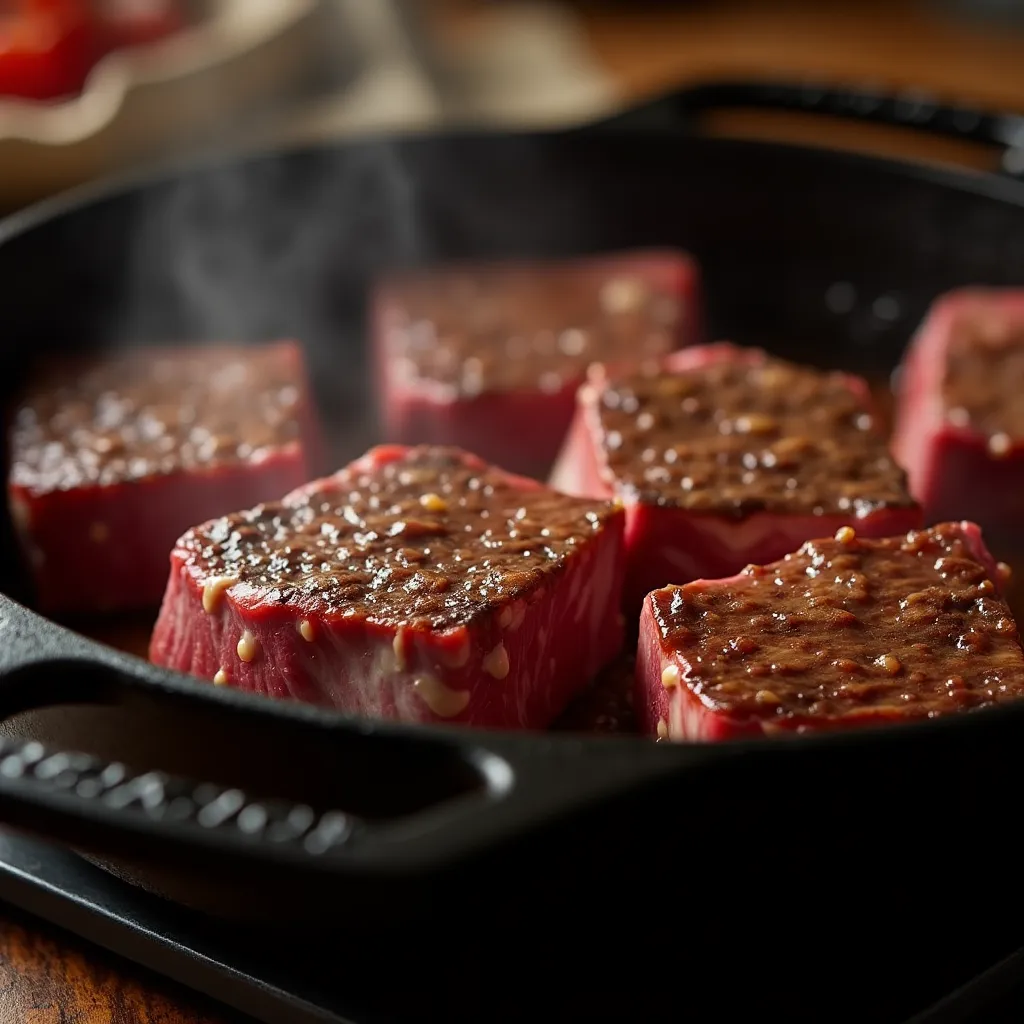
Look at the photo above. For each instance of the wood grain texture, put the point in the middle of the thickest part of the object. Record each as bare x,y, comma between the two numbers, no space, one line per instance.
48,977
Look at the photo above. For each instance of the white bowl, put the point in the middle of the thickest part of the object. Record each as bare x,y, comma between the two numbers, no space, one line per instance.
141,104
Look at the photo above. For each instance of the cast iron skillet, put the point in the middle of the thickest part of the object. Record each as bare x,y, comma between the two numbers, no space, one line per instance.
773,855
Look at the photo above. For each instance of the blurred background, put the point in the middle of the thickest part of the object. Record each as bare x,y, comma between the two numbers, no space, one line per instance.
90,88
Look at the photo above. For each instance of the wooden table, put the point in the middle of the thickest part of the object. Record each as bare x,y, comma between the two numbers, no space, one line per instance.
47,977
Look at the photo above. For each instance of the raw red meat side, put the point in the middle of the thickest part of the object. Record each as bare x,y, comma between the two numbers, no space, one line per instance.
966,459
112,458
845,632
489,358
737,510
416,584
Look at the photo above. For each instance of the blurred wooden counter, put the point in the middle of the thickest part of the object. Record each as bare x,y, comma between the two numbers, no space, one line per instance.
648,47
645,47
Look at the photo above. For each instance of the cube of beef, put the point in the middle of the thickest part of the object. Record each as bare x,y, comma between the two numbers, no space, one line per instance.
956,430
489,358
845,632
112,457
416,584
724,457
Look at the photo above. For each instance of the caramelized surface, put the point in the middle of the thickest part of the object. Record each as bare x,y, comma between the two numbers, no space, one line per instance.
510,327
738,436
906,626
432,537
985,376
140,413
606,707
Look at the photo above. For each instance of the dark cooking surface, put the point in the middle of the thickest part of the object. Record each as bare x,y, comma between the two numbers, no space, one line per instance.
984,372
739,435
607,707
502,328
848,628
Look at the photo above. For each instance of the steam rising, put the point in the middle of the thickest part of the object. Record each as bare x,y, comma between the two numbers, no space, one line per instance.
288,246
253,250
280,247
268,246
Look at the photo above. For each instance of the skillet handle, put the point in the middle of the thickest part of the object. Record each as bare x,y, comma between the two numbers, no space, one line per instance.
275,784
913,110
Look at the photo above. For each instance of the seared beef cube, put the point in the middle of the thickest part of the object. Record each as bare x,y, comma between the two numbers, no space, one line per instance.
113,457
957,433
845,632
489,358
724,457
416,584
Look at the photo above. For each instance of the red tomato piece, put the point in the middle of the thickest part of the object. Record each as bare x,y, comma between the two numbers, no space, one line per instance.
47,48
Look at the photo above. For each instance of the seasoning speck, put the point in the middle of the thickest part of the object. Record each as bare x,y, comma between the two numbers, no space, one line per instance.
248,646
890,663
846,535
662,729
213,588
398,645
306,631
496,662
622,294
670,676
755,424
434,503
442,700
221,677
999,445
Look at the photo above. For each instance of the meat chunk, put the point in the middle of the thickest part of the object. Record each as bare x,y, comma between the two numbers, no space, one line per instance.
489,358
726,457
960,423
845,632
416,584
113,457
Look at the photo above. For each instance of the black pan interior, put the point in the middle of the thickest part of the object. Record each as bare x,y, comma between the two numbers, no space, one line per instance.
826,258
823,258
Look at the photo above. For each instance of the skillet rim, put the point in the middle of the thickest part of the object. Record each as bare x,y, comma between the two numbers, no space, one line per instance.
989,185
